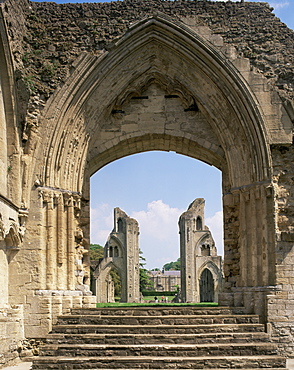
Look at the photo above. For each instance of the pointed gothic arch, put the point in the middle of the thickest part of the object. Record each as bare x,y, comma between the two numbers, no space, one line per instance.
160,87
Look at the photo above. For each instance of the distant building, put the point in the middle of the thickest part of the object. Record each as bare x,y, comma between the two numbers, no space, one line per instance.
165,281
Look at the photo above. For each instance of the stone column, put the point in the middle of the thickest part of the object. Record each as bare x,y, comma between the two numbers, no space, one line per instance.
3,146
70,244
51,243
249,232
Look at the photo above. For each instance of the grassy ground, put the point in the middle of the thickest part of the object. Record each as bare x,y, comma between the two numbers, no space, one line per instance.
117,304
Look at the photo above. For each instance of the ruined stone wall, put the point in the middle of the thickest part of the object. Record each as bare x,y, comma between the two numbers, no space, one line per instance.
48,37
47,40
11,322
280,305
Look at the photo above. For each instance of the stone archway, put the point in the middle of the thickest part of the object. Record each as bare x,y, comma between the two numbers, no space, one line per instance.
160,87
206,286
183,96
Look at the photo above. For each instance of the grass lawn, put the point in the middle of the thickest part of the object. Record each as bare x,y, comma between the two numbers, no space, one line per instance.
118,304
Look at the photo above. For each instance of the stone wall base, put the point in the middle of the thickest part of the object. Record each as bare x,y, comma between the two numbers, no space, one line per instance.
11,334
280,312
253,299
47,305
275,307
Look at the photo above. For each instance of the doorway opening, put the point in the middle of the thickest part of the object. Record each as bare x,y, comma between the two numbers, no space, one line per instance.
155,188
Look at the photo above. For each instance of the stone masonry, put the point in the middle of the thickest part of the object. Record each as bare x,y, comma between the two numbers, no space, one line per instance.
82,85
121,253
201,267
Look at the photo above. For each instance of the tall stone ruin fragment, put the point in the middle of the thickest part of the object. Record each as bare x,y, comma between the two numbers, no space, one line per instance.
121,253
201,267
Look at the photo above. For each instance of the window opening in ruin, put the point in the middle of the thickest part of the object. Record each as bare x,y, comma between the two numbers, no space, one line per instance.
198,223
120,225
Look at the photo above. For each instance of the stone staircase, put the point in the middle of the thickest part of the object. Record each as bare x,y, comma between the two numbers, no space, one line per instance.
159,338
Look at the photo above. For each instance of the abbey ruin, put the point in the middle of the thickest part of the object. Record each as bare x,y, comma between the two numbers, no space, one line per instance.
200,278
121,253
201,267
82,85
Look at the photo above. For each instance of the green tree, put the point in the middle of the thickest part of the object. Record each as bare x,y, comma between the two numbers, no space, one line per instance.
117,282
96,252
145,282
176,265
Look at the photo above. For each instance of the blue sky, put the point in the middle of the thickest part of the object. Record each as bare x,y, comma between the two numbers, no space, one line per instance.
156,187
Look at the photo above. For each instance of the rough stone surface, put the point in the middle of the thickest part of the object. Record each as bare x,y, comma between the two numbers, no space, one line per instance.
173,346
202,268
121,253
82,85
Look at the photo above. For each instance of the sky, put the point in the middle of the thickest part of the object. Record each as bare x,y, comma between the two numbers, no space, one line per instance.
155,188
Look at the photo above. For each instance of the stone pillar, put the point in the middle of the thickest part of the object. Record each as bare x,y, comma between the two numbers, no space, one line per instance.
61,244
4,168
249,246
51,242
198,252
70,244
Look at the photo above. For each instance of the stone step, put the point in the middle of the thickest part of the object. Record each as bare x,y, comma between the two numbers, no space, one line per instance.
157,320
158,329
161,310
157,350
157,338
149,362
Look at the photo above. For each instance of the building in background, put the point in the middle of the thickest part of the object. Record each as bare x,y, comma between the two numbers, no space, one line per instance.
165,281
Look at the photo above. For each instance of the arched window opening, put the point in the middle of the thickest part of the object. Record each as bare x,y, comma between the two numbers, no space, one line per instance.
199,223
120,226
205,250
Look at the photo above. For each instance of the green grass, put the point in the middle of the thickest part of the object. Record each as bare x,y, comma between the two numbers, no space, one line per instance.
202,304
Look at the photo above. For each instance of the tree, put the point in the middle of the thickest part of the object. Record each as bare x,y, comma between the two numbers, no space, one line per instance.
145,282
176,265
96,252
117,282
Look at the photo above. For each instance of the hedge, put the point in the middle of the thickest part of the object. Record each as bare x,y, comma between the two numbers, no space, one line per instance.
157,294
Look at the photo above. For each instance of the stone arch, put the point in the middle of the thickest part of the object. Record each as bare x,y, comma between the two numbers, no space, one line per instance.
9,132
90,118
206,286
216,276
117,248
205,245
104,284
149,46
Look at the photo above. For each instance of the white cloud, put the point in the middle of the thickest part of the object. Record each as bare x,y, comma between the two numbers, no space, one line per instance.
275,4
158,224
158,220
279,4
159,235
101,223
215,224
